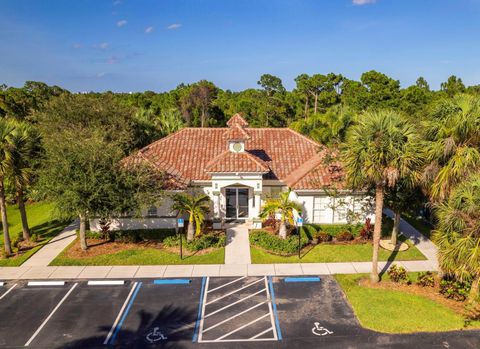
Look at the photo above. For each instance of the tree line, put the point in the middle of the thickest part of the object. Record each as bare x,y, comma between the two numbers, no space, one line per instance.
410,146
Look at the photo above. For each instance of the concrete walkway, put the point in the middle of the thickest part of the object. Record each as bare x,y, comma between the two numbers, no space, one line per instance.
237,249
172,271
424,245
53,248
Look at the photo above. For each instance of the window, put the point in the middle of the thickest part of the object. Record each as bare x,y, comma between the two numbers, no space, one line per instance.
152,211
342,213
320,206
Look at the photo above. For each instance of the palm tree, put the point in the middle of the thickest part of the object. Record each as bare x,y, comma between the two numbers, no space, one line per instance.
24,142
453,146
6,129
458,233
379,150
283,206
196,206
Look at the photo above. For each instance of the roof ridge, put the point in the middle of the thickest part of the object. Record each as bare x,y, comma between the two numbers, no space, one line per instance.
303,136
317,158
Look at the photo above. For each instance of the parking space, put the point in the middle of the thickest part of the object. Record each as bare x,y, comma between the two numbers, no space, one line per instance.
24,309
250,312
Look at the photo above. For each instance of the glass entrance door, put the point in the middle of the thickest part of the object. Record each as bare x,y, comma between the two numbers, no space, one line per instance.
236,203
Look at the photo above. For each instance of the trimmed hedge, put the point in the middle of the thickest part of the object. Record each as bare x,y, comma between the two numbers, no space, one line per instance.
135,235
202,242
334,229
273,243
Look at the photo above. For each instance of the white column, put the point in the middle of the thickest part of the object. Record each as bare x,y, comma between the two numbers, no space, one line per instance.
257,204
216,205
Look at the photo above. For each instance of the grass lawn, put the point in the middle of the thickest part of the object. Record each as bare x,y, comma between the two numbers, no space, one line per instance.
41,223
141,256
323,253
395,311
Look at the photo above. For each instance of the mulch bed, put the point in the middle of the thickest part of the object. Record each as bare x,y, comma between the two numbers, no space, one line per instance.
428,292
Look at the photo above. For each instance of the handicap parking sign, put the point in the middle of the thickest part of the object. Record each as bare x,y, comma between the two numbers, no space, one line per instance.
180,222
299,221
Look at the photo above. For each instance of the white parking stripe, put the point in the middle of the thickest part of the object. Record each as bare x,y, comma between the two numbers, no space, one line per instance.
228,283
200,331
232,304
51,314
119,316
272,318
241,327
234,316
262,333
8,291
235,291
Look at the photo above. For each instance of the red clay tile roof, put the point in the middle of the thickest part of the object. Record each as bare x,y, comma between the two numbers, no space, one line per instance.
287,154
237,120
229,162
316,173
236,132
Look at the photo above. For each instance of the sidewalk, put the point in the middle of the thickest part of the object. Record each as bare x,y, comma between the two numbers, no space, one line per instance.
53,248
172,271
424,245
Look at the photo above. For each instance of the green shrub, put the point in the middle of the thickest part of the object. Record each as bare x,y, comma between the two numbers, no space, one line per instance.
398,274
200,243
323,236
275,244
472,311
426,279
344,236
453,289
334,229
143,235
309,231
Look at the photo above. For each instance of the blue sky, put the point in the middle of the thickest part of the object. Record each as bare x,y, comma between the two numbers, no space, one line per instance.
137,45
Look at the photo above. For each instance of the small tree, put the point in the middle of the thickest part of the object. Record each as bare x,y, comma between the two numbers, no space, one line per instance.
85,139
458,234
283,206
196,206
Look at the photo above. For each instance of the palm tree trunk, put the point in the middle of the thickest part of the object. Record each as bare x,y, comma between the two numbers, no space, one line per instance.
23,214
473,296
190,230
3,209
377,231
283,230
396,227
83,237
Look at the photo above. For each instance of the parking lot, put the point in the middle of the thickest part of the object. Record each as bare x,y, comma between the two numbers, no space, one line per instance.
237,312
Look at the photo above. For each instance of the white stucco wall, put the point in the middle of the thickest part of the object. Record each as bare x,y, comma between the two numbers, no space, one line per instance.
331,210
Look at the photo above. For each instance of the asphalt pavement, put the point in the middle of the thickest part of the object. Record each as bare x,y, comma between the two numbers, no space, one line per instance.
209,312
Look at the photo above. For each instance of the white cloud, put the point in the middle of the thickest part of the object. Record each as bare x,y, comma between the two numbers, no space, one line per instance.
102,46
100,75
363,2
77,45
174,26
117,2
121,23
112,60
148,30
